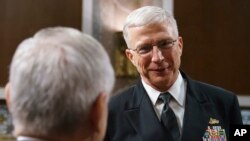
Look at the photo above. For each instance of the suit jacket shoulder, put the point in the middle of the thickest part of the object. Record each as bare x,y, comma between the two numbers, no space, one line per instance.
208,106
121,98
217,96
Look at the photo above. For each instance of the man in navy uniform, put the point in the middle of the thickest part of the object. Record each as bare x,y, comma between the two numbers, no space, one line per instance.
166,104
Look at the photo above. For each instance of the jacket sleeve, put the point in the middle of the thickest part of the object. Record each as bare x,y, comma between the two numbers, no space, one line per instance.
235,115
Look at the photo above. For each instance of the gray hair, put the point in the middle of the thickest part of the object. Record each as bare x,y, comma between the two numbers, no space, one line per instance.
148,15
55,77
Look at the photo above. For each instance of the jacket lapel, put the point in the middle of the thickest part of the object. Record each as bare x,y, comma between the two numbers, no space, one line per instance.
142,117
196,113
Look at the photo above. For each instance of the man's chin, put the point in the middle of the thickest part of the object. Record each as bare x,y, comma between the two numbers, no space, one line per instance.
159,75
159,80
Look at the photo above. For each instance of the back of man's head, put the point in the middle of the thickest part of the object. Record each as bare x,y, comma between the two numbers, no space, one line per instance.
55,78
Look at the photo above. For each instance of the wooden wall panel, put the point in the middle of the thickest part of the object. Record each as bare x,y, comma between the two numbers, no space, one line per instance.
21,19
216,41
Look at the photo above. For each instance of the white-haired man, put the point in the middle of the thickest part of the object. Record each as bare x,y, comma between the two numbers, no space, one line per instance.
166,105
58,87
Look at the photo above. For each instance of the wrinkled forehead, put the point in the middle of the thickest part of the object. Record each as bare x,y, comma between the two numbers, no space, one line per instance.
150,33
151,30
153,27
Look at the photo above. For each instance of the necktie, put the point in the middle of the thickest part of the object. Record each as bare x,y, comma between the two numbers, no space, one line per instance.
168,118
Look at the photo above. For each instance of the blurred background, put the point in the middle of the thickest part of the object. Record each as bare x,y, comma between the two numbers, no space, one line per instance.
216,36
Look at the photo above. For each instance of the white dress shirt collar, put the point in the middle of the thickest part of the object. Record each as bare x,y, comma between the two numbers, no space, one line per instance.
177,90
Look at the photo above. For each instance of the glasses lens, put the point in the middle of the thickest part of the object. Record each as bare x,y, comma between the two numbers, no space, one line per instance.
147,48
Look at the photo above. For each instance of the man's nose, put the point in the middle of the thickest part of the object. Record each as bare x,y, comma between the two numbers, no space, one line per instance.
157,55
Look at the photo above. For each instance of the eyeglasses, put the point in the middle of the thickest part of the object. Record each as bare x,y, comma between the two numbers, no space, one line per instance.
147,48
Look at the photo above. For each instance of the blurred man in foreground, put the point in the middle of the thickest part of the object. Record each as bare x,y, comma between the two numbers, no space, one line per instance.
58,87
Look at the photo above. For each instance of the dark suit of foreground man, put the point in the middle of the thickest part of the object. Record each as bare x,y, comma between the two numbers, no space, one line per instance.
203,112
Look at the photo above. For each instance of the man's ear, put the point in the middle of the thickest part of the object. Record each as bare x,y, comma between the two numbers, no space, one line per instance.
7,94
98,117
180,44
130,56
